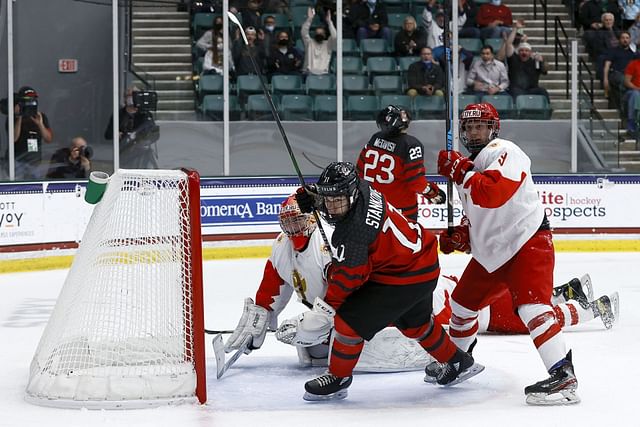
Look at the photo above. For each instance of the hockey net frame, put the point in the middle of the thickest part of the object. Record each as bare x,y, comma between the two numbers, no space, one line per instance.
127,330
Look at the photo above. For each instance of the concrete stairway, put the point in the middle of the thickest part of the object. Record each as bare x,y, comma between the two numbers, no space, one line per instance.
623,154
162,51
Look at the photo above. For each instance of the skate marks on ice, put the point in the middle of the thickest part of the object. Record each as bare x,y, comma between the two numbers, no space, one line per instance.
277,383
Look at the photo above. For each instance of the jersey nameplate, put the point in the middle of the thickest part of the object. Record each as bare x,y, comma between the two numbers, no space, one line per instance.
375,209
384,144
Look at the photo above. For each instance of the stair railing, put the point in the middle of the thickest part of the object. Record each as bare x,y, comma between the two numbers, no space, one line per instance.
543,3
563,49
147,80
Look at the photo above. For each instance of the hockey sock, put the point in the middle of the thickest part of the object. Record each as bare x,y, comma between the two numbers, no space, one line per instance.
572,313
432,337
463,325
346,349
545,332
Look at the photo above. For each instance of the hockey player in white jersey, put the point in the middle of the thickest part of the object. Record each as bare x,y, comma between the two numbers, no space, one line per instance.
509,237
298,263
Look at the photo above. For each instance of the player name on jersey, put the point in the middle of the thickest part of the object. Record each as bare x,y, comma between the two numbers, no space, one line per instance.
384,144
375,209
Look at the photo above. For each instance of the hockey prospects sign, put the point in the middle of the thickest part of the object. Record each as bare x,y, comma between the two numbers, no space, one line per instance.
38,213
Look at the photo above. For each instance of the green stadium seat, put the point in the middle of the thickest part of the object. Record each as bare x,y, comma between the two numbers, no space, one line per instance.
465,99
404,62
248,84
351,65
396,20
258,108
362,107
382,65
533,107
373,47
350,48
403,101
473,45
209,84
198,65
325,107
495,44
286,84
297,107
355,85
321,84
503,104
429,107
202,22
387,84
397,6
305,3
212,107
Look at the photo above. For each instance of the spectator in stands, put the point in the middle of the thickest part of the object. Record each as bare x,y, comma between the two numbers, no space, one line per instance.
210,37
348,26
318,50
597,41
71,162
425,77
634,32
630,9
267,35
410,39
375,30
487,76
590,15
615,61
252,14
365,12
212,63
513,40
525,68
494,19
276,6
464,64
433,22
284,58
467,26
31,129
241,52
632,83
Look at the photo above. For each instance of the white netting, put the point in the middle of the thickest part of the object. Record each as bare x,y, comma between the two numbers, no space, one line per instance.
122,328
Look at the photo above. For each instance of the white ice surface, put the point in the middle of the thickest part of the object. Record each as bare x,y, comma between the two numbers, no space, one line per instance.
265,388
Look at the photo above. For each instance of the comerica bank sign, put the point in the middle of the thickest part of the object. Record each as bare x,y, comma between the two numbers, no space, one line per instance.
245,210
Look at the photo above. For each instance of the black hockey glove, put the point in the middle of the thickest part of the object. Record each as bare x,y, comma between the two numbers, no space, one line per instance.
306,198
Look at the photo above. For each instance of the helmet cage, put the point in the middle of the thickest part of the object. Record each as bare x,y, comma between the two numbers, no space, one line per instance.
338,179
479,113
293,222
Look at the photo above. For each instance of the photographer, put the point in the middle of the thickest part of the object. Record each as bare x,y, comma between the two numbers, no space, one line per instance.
71,162
138,130
31,129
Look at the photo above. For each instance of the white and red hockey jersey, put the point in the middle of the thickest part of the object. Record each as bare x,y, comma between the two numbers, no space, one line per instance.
501,203
288,270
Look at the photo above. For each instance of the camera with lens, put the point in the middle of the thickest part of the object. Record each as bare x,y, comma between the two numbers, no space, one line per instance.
146,100
86,151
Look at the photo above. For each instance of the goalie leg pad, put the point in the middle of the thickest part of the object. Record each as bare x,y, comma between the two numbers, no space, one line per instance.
253,322
391,351
308,329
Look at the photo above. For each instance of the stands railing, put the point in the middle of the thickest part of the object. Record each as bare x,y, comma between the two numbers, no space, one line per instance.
147,80
543,3
563,49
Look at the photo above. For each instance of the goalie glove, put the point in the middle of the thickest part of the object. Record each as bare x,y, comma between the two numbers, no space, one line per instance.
309,328
254,322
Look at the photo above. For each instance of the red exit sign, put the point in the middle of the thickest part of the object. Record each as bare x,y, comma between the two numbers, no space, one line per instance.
67,65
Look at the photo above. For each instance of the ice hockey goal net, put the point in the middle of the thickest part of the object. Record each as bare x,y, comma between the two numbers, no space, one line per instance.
127,329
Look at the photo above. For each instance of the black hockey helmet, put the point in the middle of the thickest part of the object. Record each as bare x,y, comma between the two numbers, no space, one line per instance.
393,119
338,179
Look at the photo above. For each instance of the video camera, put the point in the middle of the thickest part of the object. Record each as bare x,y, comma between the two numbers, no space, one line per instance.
145,100
86,151
27,99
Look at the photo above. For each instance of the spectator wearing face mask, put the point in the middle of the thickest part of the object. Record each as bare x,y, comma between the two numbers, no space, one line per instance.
284,58
494,19
267,34
210,37
318,50
425,77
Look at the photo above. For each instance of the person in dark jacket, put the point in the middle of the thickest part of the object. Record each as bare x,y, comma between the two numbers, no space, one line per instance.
410,39
71,162
425,77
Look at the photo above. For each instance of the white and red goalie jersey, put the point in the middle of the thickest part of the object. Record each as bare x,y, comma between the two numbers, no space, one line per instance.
288,270
501,203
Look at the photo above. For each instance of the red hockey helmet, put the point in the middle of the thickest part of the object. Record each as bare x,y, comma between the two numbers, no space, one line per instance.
296,225
474,113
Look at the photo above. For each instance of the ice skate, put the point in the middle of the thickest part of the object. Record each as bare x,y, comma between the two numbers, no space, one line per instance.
607,308
460,368
575,290
558,389
327,387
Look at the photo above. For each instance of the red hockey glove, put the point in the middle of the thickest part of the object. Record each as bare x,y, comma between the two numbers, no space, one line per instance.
434,194
306,198
454,165
457,241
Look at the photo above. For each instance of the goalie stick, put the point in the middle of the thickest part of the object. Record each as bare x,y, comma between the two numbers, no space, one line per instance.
218,350
226,331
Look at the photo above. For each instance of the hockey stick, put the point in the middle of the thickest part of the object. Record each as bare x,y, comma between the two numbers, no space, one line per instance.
218,350
448,72
226,331
274,112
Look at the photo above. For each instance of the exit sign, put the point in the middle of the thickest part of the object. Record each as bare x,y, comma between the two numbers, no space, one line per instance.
67,65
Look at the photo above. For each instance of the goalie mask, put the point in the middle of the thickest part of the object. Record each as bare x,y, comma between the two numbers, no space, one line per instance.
338,187
296,225
393,120
479,125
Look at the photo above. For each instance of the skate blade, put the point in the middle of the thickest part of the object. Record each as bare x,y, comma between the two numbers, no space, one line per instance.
615,306
610,316
430,379
585,281
564,397
474,370
338,395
